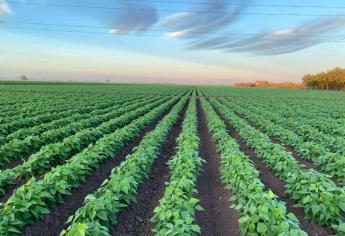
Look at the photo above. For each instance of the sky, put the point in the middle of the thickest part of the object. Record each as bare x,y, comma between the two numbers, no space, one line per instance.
170,41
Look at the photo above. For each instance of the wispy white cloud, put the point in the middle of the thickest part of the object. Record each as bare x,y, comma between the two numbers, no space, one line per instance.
5,9
276,42
212,17
176,34
176,18
132,20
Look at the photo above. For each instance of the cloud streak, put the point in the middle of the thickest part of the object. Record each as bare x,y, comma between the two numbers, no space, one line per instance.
212,17
133,21
5,9
275,42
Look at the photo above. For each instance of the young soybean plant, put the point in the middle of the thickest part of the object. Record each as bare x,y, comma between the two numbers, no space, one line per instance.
175,214
323,202
101,208
42,195
260,212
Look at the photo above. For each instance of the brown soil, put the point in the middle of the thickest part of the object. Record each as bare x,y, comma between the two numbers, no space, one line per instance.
54,223
272,182
11,190
217,219
135,220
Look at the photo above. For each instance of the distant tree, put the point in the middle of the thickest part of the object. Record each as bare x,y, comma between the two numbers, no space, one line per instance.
331,80
108,81
310,81
23,78
267,84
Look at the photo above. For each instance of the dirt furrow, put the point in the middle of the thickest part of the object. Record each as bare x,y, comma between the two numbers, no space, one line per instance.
217,219
14,163
135,220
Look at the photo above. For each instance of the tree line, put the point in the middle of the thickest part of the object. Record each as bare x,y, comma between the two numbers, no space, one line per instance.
267,84
330,80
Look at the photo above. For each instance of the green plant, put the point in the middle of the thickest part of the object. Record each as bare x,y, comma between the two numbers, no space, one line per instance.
175,214
261,213
101,208
36,198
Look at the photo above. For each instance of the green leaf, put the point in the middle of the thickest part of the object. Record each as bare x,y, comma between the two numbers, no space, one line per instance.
262,228
271,194
81,228
315,209
342,205
251,228
341,227
196,229
102,215
292,217
14,230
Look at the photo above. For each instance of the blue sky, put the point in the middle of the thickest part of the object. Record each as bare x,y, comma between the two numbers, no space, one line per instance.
170,41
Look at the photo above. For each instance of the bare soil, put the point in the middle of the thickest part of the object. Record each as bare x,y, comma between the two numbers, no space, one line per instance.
217,219
135,220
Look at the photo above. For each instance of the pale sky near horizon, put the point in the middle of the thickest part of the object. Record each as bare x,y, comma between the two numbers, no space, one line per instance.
170,41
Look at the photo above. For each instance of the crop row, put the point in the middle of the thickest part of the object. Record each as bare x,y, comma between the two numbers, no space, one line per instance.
37,198
35,109
19,101
43,107
106,90
57,153
305,130
100,209
317,117
175,213
19,122
261,213
330,163
21,98
299,96
66,118
39,109
323,202
323,110
16,149
36,103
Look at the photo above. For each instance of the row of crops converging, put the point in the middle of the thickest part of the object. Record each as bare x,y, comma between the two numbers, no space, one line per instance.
141,160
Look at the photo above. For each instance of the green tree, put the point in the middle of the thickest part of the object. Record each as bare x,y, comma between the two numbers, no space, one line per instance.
331,80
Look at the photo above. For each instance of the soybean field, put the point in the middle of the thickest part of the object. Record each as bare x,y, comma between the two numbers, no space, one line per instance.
92,159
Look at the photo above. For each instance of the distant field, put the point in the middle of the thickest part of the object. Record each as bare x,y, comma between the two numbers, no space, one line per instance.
91,159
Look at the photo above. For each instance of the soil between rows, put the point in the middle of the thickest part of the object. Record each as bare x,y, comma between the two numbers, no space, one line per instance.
53,223
11,190
217,219
135,220
271,181
14,163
